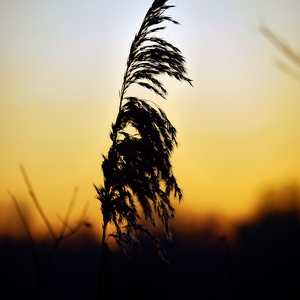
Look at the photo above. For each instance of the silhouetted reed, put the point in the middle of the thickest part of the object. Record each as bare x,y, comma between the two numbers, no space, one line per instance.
137,169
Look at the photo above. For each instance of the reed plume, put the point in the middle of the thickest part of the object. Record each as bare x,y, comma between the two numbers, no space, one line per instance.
137,171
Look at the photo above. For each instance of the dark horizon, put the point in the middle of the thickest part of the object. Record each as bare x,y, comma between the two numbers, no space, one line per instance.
260,262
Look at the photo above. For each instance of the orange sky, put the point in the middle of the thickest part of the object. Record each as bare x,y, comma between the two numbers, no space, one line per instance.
61,67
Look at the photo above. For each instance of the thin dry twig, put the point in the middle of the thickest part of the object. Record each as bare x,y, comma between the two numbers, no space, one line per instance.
280,44
68,213
286,50
27,228
36,202
80,223
42,274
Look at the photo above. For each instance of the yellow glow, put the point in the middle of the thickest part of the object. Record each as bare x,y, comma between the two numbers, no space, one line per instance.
61,69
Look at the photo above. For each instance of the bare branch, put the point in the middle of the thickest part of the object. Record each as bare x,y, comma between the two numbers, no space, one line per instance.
36,202
281,45
27,228
68,213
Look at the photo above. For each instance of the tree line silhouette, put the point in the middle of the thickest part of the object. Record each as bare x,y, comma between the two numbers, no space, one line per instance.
261,261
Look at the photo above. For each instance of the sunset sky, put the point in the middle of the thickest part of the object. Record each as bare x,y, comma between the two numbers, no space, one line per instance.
61,68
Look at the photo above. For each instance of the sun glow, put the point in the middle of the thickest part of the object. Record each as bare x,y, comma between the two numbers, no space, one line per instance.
61,70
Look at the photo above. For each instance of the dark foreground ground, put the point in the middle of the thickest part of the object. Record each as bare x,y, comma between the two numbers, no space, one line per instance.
262,262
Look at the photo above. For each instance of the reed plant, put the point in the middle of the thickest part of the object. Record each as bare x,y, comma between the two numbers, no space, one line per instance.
139,182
